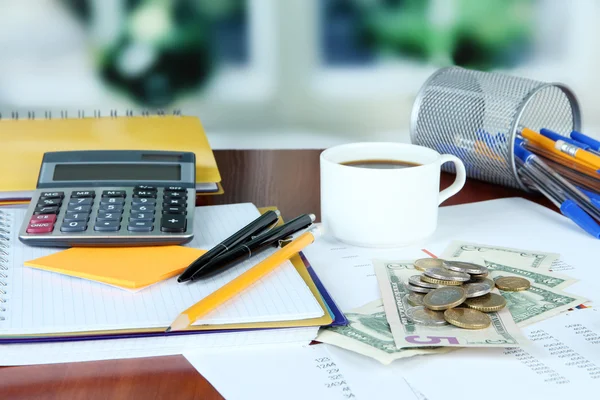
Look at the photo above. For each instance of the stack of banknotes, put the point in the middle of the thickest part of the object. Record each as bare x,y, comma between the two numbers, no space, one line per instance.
381,329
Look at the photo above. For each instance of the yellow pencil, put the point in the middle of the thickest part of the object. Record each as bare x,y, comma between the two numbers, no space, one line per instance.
221,295
555,148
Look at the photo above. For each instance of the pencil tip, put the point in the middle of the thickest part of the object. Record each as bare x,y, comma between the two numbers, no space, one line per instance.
168,329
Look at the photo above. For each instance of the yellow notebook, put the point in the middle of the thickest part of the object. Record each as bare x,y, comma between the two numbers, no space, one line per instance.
25,141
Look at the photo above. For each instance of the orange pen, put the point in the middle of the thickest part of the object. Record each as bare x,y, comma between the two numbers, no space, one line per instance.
561,149
236,286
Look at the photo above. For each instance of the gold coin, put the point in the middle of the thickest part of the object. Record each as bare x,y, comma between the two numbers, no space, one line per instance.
444,298
424,263
490,302
467,318
440,281
512,283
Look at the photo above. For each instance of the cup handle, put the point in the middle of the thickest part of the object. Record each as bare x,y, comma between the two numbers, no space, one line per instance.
459,182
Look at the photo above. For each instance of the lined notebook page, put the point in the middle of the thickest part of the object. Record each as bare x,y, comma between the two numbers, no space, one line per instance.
45,302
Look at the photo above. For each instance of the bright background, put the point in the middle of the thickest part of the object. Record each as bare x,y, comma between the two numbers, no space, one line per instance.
283,73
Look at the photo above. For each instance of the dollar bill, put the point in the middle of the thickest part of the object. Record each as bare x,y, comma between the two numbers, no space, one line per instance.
392,277
368,333
548,279
537,303
504,255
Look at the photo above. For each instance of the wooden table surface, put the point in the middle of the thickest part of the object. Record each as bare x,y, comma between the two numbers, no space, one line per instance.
288,179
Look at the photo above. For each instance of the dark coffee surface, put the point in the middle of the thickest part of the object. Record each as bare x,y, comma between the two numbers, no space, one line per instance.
381,164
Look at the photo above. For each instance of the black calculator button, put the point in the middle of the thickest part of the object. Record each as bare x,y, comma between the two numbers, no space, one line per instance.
108,216
172,223
141,216
144,193
170,201
84,193
49,202
142,208
175,189
175,195
52,195
113,193
143,200
80,209
46,210
110,226
140,226
74,226
174,210
81,201
112,200
111,208
145,188
70,216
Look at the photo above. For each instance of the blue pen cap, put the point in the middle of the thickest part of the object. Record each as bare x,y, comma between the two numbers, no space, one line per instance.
594,197
580,217
593,143
557,136
521,151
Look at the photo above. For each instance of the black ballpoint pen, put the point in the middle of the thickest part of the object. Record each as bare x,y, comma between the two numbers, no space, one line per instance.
254,228
253,247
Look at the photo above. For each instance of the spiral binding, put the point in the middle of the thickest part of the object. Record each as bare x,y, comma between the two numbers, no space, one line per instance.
4,252
97,113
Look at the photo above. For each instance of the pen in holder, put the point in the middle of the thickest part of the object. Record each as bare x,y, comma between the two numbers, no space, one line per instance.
476,116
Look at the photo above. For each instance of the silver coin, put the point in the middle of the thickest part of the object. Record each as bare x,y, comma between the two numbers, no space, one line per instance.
416,281
414,299
476,289
418,289
446,275
424,263
422,316
465,267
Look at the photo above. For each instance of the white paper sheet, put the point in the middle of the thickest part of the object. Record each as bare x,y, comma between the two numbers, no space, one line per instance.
298,372
347,272
562,361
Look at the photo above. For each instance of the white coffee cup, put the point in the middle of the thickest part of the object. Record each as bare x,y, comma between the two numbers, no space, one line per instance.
383,207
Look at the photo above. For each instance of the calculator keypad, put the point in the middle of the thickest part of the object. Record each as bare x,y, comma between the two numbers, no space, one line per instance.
144,209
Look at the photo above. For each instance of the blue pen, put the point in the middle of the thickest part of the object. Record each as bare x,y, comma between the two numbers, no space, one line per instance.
556,136
594,197
580,137
545,180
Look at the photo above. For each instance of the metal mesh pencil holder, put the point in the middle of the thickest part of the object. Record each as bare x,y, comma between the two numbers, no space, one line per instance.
476,115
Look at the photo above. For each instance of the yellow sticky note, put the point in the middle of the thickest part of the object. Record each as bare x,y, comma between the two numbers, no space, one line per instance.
127,267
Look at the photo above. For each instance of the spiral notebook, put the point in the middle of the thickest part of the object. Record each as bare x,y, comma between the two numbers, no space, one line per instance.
37,303
24,141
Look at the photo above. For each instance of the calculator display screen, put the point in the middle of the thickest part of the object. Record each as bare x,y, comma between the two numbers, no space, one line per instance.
116,172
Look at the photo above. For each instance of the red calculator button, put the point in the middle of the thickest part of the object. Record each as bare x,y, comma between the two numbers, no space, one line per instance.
40,227
39,218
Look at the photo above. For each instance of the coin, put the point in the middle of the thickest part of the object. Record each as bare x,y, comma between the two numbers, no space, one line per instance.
476,289
418,289
444,298
414,299
441,282
423,316
467,318
446,274
465,267
489,303
479,276
512,283
423,263
416,280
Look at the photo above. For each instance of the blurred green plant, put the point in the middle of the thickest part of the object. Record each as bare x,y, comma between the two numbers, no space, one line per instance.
162,50
479,34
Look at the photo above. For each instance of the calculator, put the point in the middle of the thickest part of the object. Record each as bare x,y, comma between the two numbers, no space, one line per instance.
112,198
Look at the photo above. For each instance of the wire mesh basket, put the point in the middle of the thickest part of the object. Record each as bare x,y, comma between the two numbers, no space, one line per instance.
476,116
